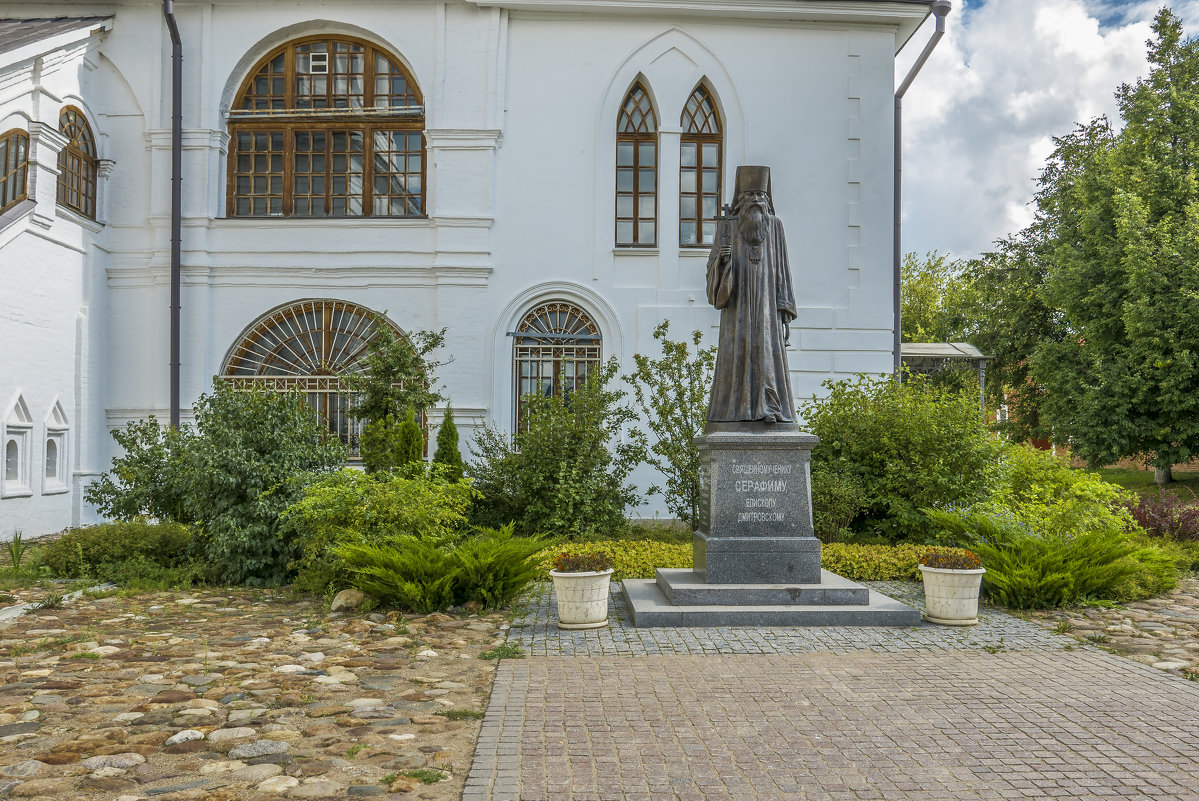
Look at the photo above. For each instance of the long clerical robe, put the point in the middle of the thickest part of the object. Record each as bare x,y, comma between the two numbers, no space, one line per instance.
754,293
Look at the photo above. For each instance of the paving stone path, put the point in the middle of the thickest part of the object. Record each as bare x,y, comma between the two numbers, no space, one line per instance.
238,695
1009,709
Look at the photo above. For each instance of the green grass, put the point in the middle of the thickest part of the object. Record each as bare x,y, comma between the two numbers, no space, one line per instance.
504,651
462,714
1142,480
426,775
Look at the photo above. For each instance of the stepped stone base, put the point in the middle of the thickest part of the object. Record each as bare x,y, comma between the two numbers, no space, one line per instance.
684,598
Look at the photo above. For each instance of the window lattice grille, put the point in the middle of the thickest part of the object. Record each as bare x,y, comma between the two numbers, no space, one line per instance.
557,345
700,170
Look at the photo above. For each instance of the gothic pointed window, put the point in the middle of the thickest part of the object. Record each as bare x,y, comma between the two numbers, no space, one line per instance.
700,159
556,346
308,346
77,163
56,477
16,428
637,171
14,168
327,127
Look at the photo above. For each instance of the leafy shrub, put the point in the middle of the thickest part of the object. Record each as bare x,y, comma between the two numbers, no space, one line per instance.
567,562
350,507
383,445
88,552
950,559
1029,571
628,558
398,372
1167,515
565,474
909,445
837,499
148,479
1041,490
448,455
425,574
249,448
671,393
859,562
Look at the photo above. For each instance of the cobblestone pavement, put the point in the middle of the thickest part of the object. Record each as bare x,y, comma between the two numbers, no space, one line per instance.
1162,632
1007,709
238,695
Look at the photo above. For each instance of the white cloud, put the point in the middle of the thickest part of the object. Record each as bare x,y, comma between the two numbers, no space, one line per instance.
1007,77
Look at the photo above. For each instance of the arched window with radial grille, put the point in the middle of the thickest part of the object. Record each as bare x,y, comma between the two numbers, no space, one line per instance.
700,172
77,163
308,346
637,171
327,127
556,346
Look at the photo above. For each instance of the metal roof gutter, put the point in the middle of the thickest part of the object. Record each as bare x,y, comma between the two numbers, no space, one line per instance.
940,9
168,12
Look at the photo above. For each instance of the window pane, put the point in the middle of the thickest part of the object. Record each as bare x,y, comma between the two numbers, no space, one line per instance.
687,154
687,233
687,181
645,233
687,207
645,153
624,233
645,206
12,461
710,180
709,206
624,180
51,459
624,154
711,157
709,232
646,180
624,205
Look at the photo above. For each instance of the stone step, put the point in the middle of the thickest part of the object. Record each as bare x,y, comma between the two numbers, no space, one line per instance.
685,587
649,607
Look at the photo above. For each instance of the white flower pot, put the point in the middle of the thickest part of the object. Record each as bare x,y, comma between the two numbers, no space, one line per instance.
951,596
582,598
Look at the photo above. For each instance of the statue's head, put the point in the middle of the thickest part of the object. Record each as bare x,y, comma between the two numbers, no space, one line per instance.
752,189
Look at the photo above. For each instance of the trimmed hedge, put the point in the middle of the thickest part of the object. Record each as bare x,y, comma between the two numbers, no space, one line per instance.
84,552
853,561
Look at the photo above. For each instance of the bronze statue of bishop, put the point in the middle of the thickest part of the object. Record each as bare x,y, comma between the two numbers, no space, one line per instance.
749,280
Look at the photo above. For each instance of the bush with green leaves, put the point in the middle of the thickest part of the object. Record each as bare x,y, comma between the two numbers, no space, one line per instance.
351,507
565,475
671,393
104,551
875,562
233,474
397,372
1037,488
1028,570
908,445
628,558
837,500
447,454
424,574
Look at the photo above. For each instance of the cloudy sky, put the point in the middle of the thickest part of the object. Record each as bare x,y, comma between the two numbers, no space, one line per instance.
1008,76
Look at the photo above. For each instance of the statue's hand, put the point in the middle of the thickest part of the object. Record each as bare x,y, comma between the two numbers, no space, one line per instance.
726,251
786,329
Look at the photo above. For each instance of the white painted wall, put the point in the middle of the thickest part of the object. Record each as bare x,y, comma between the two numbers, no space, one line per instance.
521,104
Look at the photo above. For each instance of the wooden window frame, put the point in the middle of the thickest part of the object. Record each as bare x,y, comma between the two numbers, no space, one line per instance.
78,163
636,135
694,134
14,173
366,120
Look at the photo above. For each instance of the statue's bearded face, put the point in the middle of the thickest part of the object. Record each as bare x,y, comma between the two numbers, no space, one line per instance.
754,216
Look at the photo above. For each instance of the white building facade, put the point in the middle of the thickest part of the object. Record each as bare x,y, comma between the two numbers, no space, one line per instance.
539,177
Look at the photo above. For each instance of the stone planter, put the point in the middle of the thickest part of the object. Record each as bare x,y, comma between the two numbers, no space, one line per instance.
582,598
951,596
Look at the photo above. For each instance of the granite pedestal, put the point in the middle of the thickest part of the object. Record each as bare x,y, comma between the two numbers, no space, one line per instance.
756,557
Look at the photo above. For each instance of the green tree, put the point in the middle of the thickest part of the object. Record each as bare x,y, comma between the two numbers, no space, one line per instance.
411,445
147,479
447,453
932,298
1119,217
398,372
380,445
671,392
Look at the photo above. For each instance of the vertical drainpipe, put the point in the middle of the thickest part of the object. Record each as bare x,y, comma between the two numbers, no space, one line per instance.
168,12
940,8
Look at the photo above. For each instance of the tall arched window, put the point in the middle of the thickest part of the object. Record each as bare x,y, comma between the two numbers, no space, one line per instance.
700,173
556,345
77,163
14,168
308,345
637,171
327,127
